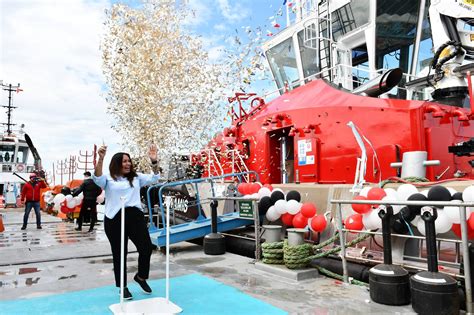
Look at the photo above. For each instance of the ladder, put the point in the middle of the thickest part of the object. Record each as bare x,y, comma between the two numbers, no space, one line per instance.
324,32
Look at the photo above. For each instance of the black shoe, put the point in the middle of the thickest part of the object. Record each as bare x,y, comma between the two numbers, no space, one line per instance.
78,229
90,231
145,287
39,227
126,294
23,227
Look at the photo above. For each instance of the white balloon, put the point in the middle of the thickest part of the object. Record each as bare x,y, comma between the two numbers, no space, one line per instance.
390,192
78,200
272,215
452,191
406,190
280,206
293,206
453,212
468,194
59,198
254,196
442,224
372,220
421,227
364,191
71,202
414,222
396,209
264,192
80,196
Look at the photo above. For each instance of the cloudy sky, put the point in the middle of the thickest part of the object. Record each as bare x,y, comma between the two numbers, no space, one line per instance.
51,47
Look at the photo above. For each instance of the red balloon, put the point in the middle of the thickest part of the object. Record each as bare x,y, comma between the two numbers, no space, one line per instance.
268,186
318,223
354,222
376,193
470,222
287,219
361,208
254,188
242,188
308,210
300,221
457,230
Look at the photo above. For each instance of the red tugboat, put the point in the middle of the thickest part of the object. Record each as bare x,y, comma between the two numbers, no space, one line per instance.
358,87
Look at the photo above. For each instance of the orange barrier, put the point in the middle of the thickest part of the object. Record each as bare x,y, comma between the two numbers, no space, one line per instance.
2,227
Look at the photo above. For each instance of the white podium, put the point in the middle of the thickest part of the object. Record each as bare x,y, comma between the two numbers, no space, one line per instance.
156,305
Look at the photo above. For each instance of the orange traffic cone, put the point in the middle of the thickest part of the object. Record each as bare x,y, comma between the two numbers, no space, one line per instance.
2,228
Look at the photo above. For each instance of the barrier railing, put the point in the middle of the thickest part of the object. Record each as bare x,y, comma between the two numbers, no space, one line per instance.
194,182
464,234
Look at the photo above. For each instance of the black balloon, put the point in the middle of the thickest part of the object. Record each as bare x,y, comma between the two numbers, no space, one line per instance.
293,195
408,214
264,204
276,195
416,197
398,226
439,193
65,190
457,196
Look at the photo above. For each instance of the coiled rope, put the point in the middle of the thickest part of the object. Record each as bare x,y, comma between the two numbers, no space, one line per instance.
301,255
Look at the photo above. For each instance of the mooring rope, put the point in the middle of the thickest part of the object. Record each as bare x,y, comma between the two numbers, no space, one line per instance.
272,253
334,275
300,256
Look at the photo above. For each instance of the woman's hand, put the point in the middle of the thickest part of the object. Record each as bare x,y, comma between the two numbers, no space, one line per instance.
102,151
153,153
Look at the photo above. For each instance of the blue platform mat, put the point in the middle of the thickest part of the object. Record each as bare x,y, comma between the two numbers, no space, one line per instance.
194,293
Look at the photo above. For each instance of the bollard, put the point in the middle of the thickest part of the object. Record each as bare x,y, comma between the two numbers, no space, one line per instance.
272,233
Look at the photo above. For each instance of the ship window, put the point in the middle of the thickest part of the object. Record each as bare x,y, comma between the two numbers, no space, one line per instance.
350,17
308,57
282,60
22,155
7,152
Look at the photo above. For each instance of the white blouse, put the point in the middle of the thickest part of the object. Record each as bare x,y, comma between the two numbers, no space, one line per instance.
114,189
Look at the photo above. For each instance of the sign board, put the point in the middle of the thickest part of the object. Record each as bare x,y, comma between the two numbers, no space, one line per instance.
246,209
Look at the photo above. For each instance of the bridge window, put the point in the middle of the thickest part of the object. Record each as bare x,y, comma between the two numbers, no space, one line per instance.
7,152
282,60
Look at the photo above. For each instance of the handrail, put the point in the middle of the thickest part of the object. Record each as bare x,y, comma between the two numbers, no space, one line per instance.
464,234
189,181
212,155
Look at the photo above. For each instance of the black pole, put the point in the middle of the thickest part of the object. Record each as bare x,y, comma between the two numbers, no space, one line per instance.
214,216
10,106
385,215
432,252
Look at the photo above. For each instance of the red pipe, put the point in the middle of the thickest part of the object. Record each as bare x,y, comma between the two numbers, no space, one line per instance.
435,109
460,114
471,94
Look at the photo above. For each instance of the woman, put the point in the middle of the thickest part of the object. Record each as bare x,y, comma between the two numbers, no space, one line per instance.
123,181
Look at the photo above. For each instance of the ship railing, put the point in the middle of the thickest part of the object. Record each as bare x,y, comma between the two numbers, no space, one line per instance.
237,163
213,164
194,184
464,242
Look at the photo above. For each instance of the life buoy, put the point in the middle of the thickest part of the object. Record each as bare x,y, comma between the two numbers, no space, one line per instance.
20,167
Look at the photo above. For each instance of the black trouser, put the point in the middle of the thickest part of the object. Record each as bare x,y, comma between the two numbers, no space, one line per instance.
135,229
88,205
32,205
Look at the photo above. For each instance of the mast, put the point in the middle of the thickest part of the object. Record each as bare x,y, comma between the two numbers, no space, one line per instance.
10,88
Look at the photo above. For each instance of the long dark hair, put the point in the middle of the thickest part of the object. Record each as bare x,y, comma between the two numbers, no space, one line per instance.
115,167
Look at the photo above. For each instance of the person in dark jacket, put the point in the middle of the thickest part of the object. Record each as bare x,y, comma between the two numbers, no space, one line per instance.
30,195
90,191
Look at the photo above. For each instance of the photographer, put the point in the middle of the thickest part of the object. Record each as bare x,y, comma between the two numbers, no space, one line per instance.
30,195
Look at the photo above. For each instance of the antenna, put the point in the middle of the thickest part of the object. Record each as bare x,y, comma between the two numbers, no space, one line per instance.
10,88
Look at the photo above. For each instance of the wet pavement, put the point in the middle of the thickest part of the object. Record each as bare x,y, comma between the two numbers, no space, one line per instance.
58,259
